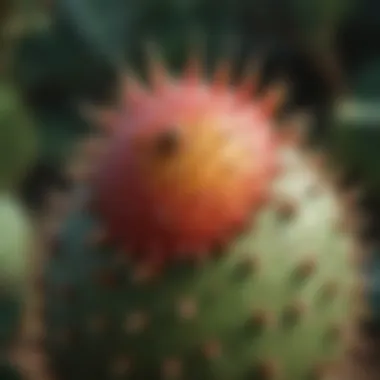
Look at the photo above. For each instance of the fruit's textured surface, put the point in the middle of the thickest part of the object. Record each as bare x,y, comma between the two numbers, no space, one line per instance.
15,242
187,179
208,285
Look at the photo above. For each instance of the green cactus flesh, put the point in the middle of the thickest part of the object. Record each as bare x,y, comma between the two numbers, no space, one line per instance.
272,304
14,266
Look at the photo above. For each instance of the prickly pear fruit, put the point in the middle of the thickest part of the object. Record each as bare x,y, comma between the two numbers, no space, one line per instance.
202,243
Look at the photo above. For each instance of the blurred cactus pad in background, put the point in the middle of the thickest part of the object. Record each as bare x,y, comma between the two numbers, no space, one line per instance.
18,149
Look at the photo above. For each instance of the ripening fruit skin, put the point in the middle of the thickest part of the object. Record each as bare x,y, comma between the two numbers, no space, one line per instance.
15,246
265,293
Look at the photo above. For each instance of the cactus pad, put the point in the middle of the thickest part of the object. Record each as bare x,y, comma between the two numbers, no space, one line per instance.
188,256
14,265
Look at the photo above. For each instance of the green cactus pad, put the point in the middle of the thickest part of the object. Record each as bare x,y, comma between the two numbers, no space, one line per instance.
272,304
14,265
